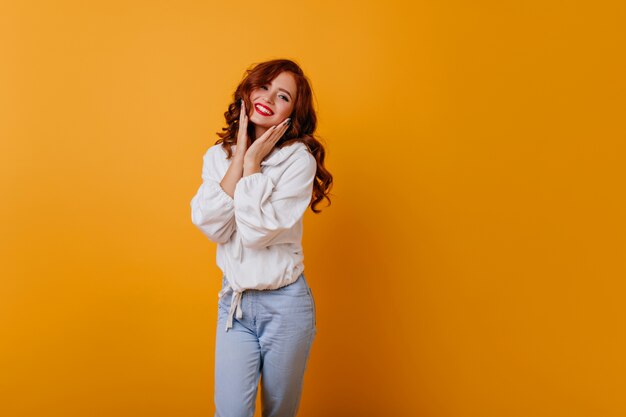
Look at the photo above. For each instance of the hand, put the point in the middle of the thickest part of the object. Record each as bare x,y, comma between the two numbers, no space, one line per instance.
242,135
264,145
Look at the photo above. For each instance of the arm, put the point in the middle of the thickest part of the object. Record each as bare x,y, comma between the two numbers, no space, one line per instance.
233,175
264,211
212,209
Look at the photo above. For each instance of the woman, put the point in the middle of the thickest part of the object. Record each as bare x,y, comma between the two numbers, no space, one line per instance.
259,178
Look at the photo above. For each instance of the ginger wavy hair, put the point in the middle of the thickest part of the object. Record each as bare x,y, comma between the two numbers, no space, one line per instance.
301,129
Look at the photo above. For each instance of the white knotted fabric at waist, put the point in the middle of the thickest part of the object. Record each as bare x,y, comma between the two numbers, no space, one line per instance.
235,305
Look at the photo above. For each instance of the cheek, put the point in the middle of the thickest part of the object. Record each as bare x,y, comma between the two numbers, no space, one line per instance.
252,96
288,109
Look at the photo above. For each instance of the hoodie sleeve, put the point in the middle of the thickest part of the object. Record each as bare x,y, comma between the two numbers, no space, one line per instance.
265,211
212,209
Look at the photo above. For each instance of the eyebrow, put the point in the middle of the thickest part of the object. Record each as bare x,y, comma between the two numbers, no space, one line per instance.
282,89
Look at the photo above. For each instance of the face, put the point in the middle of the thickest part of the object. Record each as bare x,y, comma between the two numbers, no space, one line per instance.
273,102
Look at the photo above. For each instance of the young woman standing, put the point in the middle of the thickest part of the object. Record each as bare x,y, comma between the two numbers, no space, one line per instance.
258,179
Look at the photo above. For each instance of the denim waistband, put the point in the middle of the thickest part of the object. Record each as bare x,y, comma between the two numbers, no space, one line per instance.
235,303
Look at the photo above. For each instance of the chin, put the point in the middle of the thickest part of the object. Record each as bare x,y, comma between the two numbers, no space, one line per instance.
263,123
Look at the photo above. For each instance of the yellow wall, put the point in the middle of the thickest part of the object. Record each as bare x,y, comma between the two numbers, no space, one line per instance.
472,262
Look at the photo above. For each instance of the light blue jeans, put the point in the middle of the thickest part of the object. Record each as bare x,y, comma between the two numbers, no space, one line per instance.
272,339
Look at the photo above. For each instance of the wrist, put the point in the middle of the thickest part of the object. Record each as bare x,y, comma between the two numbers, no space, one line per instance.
250,162
251,167
238,158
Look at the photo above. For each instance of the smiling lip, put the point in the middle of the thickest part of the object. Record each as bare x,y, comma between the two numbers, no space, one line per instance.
260,112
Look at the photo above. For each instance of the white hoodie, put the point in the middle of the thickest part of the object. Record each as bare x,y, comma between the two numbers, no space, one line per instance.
259,231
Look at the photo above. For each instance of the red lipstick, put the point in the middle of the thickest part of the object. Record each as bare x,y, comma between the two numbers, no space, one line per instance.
265,108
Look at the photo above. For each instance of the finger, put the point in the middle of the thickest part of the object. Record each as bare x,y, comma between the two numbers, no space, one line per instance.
285,125
276,131
268,133
277,128
244,113
278,134
282,130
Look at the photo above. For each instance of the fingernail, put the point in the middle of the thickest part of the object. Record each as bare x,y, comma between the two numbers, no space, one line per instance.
289,121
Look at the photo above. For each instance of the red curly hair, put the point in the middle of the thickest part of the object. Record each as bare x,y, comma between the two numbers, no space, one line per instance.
303,120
